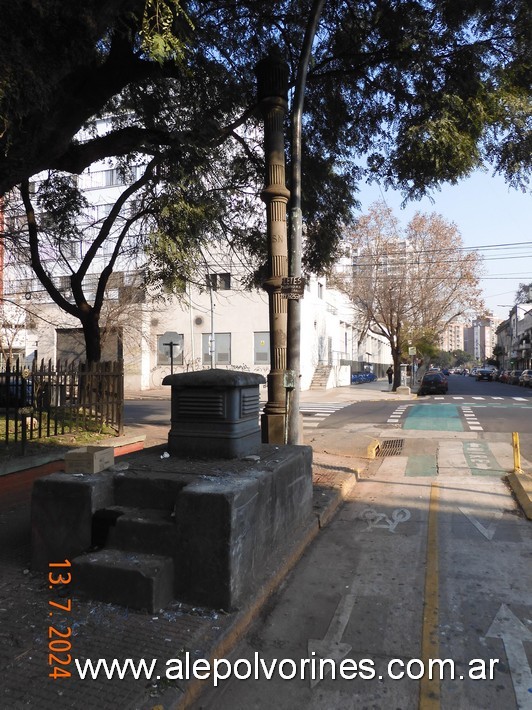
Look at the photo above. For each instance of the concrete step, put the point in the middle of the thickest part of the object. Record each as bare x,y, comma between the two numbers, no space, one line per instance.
135,529
146,531
320,377
135,580
149,490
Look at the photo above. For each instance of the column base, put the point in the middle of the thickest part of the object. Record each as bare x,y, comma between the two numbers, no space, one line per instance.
273,428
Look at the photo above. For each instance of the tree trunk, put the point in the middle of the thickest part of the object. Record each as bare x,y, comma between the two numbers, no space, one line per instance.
396,355
91,332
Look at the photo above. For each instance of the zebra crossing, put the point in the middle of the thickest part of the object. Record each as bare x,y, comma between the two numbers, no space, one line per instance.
314,414
477,398
466,405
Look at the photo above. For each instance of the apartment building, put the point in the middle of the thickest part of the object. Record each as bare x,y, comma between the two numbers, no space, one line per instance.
514,338
452,338
215,321
480,338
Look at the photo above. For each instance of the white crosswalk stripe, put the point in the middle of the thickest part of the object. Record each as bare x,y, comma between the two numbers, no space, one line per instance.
517,399
471,419
314,413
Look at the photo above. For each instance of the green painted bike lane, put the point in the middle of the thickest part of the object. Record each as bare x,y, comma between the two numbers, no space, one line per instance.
446,417
434,417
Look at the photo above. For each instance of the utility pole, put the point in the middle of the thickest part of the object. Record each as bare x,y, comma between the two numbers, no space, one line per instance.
272,88
295,434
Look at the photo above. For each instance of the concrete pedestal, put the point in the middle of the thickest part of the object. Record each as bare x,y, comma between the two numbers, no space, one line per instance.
200,531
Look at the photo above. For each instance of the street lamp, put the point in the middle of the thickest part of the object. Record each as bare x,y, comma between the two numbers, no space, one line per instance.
272,90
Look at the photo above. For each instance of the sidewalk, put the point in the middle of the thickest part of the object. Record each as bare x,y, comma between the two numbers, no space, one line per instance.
98,630
368,391
106,631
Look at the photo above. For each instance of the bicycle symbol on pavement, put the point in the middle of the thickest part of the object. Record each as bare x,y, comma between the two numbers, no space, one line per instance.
381,520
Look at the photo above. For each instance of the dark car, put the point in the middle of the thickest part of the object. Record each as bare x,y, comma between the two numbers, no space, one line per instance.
513,377
433,383
485,373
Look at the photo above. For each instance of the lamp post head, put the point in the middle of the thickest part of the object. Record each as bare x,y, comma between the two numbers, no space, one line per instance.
272,76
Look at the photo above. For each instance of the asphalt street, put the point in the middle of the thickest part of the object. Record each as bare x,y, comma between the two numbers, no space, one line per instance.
426,567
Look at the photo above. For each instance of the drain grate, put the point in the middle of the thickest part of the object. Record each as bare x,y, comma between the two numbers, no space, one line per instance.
391,447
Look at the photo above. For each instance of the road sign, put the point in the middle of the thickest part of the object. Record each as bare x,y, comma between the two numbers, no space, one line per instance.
171,337
293,287
171,344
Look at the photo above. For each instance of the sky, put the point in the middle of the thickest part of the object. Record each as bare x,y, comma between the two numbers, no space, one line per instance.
491,217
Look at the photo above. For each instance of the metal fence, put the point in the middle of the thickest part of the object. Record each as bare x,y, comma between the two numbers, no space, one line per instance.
50,399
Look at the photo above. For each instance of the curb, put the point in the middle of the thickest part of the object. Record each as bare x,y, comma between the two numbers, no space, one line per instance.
44,464
521,484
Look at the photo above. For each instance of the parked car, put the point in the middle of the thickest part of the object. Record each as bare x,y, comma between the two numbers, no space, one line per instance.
513,377
525,379
473,372
503,376
433,383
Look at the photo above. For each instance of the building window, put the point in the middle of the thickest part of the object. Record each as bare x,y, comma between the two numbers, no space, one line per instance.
113,177
219,282
261,348
221,346
163,350
102,211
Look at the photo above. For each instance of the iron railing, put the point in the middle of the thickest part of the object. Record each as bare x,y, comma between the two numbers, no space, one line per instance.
49,399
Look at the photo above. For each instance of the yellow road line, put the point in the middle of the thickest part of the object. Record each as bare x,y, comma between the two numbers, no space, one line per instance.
429,689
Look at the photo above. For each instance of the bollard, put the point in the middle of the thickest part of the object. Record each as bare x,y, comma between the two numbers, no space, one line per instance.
24,413
517,454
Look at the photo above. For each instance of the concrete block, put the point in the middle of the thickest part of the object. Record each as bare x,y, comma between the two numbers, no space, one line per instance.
144,489
229,523
89,459
134,580
229,528
147,531
521,484
62,506
214,521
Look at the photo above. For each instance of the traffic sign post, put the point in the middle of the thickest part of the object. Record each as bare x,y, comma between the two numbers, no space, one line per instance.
412,352
172,340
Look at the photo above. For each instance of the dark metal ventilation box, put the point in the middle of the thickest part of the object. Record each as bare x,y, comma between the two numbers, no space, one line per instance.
215,413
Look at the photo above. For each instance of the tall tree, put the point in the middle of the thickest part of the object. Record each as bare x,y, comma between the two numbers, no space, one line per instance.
162,219
408,283
56,227
412,92
524,293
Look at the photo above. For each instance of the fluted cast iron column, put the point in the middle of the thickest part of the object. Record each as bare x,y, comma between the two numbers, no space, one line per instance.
272,83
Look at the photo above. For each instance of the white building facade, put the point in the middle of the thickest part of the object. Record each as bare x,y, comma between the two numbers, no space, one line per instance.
215,322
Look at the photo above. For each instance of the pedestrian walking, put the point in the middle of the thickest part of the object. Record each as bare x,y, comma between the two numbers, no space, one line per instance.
389,372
